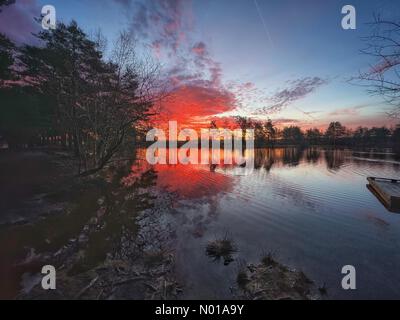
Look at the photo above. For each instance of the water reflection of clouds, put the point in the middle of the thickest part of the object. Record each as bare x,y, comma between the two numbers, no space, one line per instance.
296,200
196,181
294,194
201,189
192,182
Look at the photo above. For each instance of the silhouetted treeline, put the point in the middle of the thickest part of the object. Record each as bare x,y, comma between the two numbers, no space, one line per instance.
64,91
333,158
336,134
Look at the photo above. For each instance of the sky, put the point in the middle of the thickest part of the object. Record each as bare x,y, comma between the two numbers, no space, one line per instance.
287,60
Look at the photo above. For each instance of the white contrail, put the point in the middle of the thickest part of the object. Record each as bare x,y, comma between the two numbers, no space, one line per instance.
264,24
305,113
272,45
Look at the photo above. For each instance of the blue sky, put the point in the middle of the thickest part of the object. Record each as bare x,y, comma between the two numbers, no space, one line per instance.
254,49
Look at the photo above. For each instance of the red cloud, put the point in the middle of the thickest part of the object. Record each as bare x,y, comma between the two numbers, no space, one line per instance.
190,104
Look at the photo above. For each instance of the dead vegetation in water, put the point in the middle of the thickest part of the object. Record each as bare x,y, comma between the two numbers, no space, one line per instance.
120,251
271,280
223,248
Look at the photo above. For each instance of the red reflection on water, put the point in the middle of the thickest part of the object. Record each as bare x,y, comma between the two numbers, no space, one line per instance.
190,181
187,181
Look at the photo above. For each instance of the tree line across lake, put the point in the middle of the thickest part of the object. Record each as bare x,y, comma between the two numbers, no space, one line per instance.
66,90
266,134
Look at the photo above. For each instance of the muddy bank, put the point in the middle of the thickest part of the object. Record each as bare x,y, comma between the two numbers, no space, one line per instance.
271,280
106,238
28,180
127,263
267,280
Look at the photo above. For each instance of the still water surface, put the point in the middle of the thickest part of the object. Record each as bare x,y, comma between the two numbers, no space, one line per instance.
311,208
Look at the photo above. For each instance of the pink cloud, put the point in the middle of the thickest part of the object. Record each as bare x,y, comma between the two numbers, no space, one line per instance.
189,103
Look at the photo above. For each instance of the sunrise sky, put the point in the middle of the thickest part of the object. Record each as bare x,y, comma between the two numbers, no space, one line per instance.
287,60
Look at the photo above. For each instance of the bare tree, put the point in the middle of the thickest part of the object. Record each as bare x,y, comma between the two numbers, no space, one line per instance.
122,100
99,103
383,76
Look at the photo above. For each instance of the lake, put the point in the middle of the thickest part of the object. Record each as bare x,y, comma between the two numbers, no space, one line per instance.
310,208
